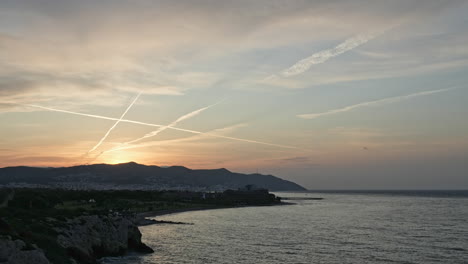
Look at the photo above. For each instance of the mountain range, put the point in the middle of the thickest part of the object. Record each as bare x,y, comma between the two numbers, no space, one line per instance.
139,177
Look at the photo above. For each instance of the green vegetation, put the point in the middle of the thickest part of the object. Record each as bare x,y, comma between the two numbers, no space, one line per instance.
33,214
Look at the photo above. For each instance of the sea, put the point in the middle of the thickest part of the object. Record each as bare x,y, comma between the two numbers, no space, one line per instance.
344,227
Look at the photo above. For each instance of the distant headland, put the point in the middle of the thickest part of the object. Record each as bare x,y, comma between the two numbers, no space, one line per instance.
134,176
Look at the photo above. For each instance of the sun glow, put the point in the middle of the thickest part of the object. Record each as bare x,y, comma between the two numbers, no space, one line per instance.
118,157
117,161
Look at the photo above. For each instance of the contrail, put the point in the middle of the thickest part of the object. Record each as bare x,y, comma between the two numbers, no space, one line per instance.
371,103
115,124
191,138
65,111
324,55
151,125
161,129
93,159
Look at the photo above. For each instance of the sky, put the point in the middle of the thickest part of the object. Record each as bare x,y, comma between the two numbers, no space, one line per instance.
362,94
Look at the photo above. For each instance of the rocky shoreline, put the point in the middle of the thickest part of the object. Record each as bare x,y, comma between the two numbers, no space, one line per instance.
85,239
42,226
15,251
88,238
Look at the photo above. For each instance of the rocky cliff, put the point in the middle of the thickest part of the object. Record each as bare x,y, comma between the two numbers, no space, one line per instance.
16,252
88,238
82,239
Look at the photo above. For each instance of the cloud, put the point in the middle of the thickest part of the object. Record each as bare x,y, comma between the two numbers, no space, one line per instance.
324,55
412,65
75,90
357,132
372,103
415,42
294,160
35,160
115,124
164,47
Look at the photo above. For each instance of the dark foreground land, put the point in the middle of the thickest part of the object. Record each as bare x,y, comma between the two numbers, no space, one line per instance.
69,226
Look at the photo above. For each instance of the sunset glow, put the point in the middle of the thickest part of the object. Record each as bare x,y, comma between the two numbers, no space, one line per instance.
328,94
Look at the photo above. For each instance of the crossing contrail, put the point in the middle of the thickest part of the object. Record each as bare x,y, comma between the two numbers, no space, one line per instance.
115,124
372,103
161,129
153,125
191,138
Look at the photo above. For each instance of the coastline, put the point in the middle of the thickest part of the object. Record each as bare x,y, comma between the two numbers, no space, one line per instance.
144,215
82,226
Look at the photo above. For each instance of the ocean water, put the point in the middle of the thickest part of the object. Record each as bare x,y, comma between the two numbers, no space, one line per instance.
346,227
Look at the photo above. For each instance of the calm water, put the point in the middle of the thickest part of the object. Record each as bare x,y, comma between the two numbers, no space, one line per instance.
394,227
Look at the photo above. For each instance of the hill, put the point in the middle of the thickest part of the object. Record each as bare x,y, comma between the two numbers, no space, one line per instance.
137,176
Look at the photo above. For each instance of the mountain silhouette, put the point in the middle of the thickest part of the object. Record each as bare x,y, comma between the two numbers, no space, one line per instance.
137,176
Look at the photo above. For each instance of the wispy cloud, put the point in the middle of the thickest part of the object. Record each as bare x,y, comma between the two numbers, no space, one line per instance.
153,125
373,103
324,55
115,124
305,64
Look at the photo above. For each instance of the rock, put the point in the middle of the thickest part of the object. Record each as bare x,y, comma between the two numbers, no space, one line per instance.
145,221
88,238
134,241
6,228
142,221
29,257
14,252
